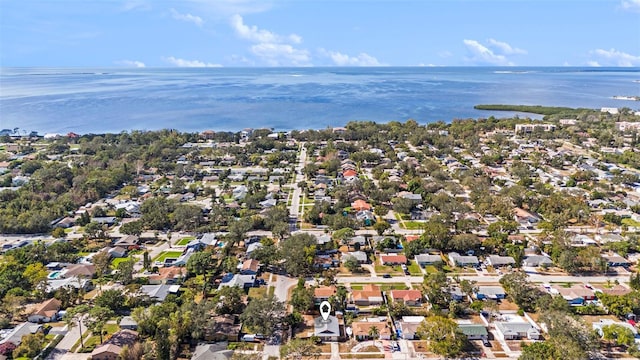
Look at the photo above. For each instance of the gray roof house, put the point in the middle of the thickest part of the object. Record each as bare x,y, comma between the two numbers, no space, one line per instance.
427,259
537,261
517,331
361,256
25,328
497,260
242,281
217,351
159,292
328,330
459,260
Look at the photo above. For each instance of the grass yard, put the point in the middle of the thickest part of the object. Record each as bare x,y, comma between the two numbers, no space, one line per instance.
383,287
258,292
413,225
414,268
430,269
168,255
631,222
116,261
185,241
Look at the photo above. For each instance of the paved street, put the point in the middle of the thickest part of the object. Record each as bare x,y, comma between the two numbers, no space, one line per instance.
67,343
484,279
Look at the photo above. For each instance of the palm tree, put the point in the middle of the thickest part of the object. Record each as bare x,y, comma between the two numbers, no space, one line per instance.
374,333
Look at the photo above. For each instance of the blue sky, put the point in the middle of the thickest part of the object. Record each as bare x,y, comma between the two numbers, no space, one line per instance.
231,33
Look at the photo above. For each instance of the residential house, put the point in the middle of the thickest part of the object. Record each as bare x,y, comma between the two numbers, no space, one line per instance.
182,259
408,327
366,216
323,293
474,331
360,256
104,220
239,192
393,259
597,326
79,270
159,292
499,261
369,295
459,260
360,240
117,252
360,205
415,198
45,311
242,281
575,295
426,259
65,223
490,292
408,297
216,351
456,293
361,329
129,242
223,328
250,267
168,275
327,330
128,323
323,239
537,261
112,348
517,331
616,260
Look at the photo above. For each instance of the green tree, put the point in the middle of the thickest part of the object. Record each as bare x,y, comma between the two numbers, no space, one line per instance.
111,299
30,346
302,297
98,317
188,217
132,228
263,314
229,300
201,263
539,351
58,233
437,288
352,263
146,260
618,334
102,263
374,333
36,275
381,226
297,349
444,336
125,271
298,252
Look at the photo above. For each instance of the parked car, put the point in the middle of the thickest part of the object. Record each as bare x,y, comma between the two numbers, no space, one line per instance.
386,276
486,342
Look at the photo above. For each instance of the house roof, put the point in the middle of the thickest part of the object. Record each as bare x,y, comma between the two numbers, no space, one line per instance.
47,308
107,348
159,292
361,328
361,205
328,328
348,173
358,255
576,291
251,264
501,260
368,291
212,352
428,258
171,272
324,291
396,259
473,329
406,295
86,270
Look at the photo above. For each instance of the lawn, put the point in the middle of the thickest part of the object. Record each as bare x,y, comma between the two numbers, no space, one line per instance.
258,292
94,340
631,222
414,268
185,241
413,225
430,269
168,255
116,261
383,287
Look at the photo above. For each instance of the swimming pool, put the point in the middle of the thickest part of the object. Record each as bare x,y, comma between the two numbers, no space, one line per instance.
54,275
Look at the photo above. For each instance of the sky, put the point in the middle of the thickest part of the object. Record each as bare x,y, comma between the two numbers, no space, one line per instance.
263,33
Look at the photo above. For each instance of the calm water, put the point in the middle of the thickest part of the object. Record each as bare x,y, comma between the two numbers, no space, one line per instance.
112,100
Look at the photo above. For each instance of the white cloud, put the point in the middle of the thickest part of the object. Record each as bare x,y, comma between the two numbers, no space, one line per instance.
188,63
614,57
131,63
271,48
281,54
631,5
593,63
483,55
253,33
502,47
187,17
129,5
225,8
340,59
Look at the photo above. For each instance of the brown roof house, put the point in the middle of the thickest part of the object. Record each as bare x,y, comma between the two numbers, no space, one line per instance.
361,329
369,295
79,270
323,293
112,348
168,275
223,328
408,297
46,311
393,259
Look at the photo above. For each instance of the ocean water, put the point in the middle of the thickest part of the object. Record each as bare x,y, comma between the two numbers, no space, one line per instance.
112,100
